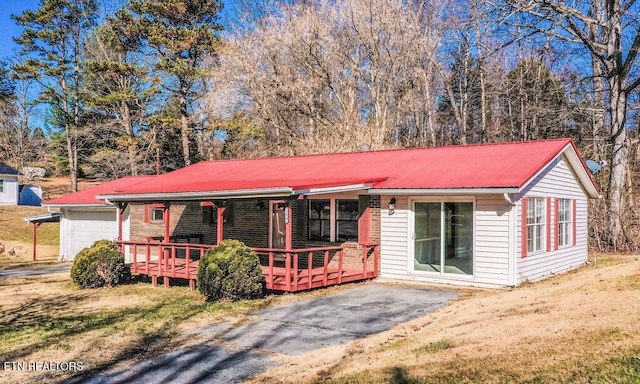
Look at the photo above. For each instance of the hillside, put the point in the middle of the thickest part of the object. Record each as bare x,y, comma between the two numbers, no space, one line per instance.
580,327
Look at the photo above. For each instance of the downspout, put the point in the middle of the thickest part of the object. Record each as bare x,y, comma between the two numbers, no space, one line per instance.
508,199
167,222
513,246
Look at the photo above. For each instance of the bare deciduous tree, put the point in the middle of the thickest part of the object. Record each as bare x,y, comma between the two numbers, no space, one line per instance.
609,30
337,75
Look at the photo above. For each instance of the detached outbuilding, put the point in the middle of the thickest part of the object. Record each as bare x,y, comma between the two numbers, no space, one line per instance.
9,187
489,215
86,219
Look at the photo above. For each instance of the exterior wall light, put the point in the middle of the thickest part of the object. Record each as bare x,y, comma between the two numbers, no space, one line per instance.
392,206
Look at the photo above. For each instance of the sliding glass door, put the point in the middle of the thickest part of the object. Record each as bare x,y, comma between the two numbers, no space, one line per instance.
443,237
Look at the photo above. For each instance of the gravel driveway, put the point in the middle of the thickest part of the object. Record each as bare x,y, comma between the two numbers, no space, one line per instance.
36,270
292,329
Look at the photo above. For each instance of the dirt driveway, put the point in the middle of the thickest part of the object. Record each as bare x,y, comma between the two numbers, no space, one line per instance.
232,354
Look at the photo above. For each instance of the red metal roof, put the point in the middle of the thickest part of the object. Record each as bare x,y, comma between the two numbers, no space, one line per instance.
87,196
499,165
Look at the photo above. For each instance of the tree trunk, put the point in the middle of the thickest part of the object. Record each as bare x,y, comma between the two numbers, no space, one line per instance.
619,159
184,131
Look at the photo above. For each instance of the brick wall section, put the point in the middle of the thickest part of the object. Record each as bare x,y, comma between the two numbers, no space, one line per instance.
248,221
186,220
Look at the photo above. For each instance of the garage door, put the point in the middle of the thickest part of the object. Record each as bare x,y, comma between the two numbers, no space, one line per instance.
86,227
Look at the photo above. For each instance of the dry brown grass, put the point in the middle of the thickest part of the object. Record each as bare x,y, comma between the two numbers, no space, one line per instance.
580,327
47,318
16,237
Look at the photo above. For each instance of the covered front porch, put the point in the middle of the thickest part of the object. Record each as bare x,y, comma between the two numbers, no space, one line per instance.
288,270
168,238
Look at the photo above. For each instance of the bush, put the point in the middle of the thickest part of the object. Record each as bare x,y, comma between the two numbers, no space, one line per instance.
99,265
230,271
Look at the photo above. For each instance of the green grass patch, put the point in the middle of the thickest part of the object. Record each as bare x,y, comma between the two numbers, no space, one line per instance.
14,228
618,369
433,347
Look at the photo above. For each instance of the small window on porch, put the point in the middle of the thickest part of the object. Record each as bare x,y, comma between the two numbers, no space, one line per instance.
319,220
157,214
154,212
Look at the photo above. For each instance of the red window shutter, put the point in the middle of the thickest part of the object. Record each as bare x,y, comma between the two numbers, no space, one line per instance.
363,226
147,213
548,224
525,240
573,221
557,220
364,219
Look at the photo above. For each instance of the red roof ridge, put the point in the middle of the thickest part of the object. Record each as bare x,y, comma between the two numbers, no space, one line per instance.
451,146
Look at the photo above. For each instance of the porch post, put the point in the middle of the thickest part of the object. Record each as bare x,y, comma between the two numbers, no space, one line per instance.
289,228
167,223
35,239
120,213
220,228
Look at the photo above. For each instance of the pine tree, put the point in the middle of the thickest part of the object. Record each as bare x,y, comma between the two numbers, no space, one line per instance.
182,37
52,44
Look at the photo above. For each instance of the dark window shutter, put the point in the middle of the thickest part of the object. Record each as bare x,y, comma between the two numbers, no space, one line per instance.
301,223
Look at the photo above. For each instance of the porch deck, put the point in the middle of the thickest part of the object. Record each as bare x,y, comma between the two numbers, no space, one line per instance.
283,270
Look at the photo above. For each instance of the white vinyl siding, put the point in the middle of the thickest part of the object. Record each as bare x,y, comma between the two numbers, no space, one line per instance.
394,238
491,242
10,191
556,181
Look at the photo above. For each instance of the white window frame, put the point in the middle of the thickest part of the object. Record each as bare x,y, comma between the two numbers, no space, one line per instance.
154,211
565,225
411,238
536,225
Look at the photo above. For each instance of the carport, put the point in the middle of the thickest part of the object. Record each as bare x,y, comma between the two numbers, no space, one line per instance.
37,221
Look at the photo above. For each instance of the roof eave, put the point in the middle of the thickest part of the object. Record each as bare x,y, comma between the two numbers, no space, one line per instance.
205,195
444,191
578,167
336,189
71,205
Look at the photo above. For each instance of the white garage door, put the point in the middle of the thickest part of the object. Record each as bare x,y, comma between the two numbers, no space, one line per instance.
85,227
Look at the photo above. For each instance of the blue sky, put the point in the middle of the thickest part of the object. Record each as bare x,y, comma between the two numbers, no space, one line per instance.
9,29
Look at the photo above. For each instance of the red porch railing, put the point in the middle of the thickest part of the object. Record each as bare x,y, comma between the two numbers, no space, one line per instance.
177,260
284,270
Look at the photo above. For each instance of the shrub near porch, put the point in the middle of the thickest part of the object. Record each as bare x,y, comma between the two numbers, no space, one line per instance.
230,271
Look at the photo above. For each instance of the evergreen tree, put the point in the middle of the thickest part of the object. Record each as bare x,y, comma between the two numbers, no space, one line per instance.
119,92
538,104
52,44
182,37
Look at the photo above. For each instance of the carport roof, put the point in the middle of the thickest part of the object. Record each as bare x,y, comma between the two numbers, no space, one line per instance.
87,197
486,168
